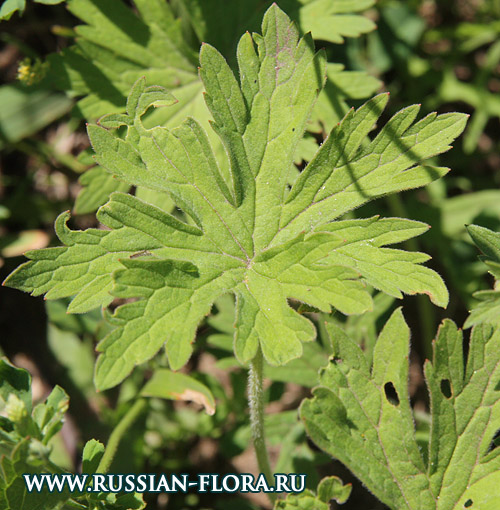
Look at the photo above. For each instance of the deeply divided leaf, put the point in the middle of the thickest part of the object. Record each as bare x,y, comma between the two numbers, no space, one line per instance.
159,40
246,233
361,415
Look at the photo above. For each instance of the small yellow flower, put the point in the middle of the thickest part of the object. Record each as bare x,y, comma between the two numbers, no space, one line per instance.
29,72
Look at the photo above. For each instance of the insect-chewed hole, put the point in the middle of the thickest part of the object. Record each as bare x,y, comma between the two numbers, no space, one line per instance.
391,394
446,388
468,503
495,442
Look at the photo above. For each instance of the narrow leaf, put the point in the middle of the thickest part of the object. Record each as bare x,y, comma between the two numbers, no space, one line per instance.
177,386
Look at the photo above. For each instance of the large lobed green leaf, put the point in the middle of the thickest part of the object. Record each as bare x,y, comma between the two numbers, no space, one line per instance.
247,233
159,40
116,46
361,415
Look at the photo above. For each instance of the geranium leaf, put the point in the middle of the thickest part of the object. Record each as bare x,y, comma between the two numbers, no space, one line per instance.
245,233
116,45
361,415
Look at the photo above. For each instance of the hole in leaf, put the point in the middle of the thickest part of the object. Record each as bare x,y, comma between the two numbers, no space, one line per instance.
446,388
495,442
391,394
468,503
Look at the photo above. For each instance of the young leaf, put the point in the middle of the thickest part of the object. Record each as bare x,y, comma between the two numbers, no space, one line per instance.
488,310
15,381
361,415
24,434
42,422
91,456
23,449
13,492
248,235
330,488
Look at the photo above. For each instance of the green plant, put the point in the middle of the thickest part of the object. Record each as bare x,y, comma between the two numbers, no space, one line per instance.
260,233
25,435
9,7
489,243
253,229
361,412
443,54
229,247
161,43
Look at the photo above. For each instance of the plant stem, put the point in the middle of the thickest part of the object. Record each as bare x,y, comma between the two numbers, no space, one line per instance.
116,436
256,404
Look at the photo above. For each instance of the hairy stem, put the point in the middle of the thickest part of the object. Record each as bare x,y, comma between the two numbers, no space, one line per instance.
116,436
256,404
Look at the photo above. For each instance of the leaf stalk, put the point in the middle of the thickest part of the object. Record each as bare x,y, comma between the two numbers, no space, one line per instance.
256,405
116,436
